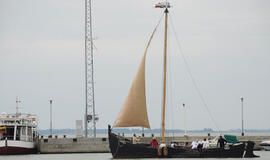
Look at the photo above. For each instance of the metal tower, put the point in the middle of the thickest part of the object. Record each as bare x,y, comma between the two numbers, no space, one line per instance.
90,117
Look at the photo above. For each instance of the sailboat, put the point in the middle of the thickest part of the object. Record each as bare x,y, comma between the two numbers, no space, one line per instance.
134,114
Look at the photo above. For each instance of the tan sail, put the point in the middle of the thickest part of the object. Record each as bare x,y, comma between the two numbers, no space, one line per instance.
134,111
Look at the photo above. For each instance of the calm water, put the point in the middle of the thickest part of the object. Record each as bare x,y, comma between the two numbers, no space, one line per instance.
265,155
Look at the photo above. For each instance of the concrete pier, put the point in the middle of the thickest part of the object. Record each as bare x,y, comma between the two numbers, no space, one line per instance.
101,145
73,145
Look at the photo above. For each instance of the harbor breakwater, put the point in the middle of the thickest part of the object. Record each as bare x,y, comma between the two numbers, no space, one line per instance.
101,145
73,145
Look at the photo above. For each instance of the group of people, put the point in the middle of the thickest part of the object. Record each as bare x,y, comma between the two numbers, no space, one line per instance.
205,143
200,144
153,143
194,145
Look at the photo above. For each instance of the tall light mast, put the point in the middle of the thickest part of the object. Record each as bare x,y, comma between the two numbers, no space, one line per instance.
185,118
90,117
242,108
51,101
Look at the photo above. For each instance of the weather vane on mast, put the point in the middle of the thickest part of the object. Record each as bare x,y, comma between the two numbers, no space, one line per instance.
163,5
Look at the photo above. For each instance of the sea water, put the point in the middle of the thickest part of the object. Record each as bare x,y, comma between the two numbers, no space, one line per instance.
264,155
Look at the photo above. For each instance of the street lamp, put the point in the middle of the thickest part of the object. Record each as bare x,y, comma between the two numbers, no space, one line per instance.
242,106
51,117
185,119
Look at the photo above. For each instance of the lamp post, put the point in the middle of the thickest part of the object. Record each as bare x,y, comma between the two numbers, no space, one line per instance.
242,108
185,119
51,117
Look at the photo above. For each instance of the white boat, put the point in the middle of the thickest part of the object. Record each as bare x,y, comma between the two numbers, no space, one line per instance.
265,145
18,133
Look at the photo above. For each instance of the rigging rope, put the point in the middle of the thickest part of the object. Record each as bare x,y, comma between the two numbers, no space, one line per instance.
192,77
152,35
170,85
147,46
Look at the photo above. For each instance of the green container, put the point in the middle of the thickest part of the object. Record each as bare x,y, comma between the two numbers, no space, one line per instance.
231,138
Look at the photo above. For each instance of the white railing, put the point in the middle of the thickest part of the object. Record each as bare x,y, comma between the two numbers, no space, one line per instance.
18,119
12,123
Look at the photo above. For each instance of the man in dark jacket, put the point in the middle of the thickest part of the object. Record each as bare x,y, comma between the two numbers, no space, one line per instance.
221,142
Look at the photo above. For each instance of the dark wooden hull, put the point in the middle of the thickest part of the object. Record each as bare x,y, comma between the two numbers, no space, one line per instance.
123,148
10,147
16,150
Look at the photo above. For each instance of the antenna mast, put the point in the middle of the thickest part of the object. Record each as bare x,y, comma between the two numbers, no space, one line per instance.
17,105
90,117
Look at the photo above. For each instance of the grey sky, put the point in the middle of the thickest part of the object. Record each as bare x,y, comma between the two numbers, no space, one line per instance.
226,44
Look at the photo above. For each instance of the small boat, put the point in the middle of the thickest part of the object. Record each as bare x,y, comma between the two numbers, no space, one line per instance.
265,145
18,134
134,114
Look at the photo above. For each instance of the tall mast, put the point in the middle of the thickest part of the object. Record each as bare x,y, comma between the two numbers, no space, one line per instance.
165,5
164,77
90,115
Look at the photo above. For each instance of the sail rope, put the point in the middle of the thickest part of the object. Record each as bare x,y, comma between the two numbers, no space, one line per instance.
170,88
192,77
152,35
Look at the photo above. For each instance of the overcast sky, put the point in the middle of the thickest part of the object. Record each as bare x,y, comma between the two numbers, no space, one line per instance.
226,44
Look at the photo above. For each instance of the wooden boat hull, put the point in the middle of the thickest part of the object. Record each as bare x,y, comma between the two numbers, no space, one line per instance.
123,148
